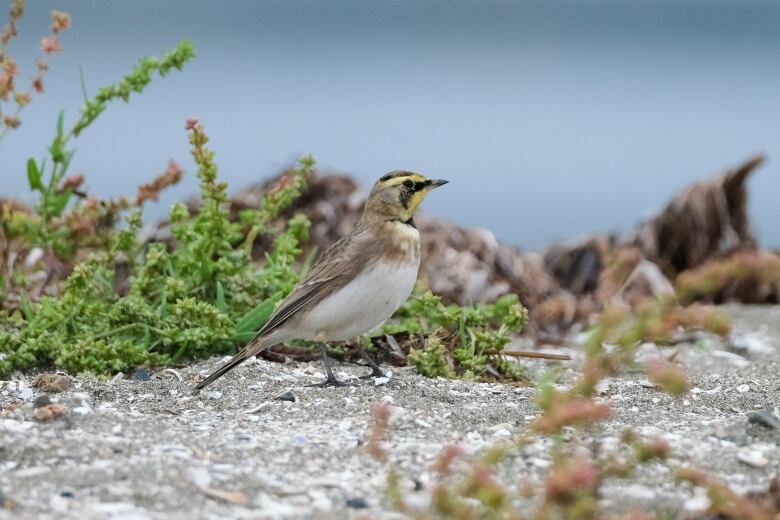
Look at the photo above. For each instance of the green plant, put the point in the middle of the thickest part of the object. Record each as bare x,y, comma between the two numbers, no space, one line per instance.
194,300
461,342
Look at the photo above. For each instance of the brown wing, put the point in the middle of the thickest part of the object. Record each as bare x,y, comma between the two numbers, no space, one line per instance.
337,266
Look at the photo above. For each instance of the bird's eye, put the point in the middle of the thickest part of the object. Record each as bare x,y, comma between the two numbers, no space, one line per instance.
408,185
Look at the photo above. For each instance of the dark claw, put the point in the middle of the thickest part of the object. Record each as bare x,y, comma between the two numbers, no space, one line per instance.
375,372
330,382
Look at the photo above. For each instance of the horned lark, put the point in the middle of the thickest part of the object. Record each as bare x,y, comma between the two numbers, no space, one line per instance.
358,283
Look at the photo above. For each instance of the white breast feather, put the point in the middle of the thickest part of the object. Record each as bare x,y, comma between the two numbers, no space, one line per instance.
362,305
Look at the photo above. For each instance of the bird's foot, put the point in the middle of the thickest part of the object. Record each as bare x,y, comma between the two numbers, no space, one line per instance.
375,372
329,382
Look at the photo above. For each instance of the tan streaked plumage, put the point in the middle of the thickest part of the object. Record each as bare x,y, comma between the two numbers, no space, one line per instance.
359,282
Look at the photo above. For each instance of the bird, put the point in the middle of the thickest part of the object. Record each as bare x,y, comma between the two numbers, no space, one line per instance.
357,284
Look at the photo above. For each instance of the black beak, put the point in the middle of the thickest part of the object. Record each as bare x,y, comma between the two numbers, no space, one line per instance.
435,183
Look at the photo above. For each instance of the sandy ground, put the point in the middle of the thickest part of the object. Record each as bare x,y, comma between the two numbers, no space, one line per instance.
150,449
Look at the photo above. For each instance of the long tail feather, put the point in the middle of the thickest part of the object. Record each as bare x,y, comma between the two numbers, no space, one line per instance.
252,349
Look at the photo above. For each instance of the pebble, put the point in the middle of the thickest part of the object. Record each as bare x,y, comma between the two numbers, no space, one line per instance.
743,389
214,395
287,396
49,412
765,418
421,423
199,476
735,359
753,458
697,503
42,400
502,434
141,374
378,381
26,393
357,503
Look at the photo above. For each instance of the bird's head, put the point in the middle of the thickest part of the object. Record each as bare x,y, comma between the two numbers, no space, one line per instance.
397,195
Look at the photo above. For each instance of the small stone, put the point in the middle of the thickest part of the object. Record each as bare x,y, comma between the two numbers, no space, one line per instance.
231,497
357,503
6,502
141,374
287,396
26,393
540,463
765,418
743,389
49,412
502,434
602,387
83,397
214,395
378,381
42,400
698,503
199,476
51,383
422,424
753,458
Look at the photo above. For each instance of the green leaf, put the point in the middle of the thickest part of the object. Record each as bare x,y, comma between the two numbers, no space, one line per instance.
220,303
58,202
254,319
33,175
24,303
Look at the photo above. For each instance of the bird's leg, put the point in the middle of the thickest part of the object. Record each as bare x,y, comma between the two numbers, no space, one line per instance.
375,370
331,379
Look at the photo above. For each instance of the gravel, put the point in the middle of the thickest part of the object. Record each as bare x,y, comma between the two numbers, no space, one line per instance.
261,444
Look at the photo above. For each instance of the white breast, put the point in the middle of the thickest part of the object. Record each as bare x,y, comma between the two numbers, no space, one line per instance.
362,305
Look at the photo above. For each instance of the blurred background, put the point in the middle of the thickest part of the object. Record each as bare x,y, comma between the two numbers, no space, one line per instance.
552,119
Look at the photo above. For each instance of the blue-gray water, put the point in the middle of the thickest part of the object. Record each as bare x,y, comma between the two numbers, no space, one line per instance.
552,119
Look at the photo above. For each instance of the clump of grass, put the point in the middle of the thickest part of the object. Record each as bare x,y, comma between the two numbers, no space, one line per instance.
463,342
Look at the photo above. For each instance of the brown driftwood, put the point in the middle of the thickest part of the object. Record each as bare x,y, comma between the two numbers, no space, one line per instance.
706,220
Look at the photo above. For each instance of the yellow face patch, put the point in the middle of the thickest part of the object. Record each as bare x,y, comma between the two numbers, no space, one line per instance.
405,191
411,192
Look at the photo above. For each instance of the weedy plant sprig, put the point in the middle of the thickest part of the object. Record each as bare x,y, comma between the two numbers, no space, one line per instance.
54,194
9,69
